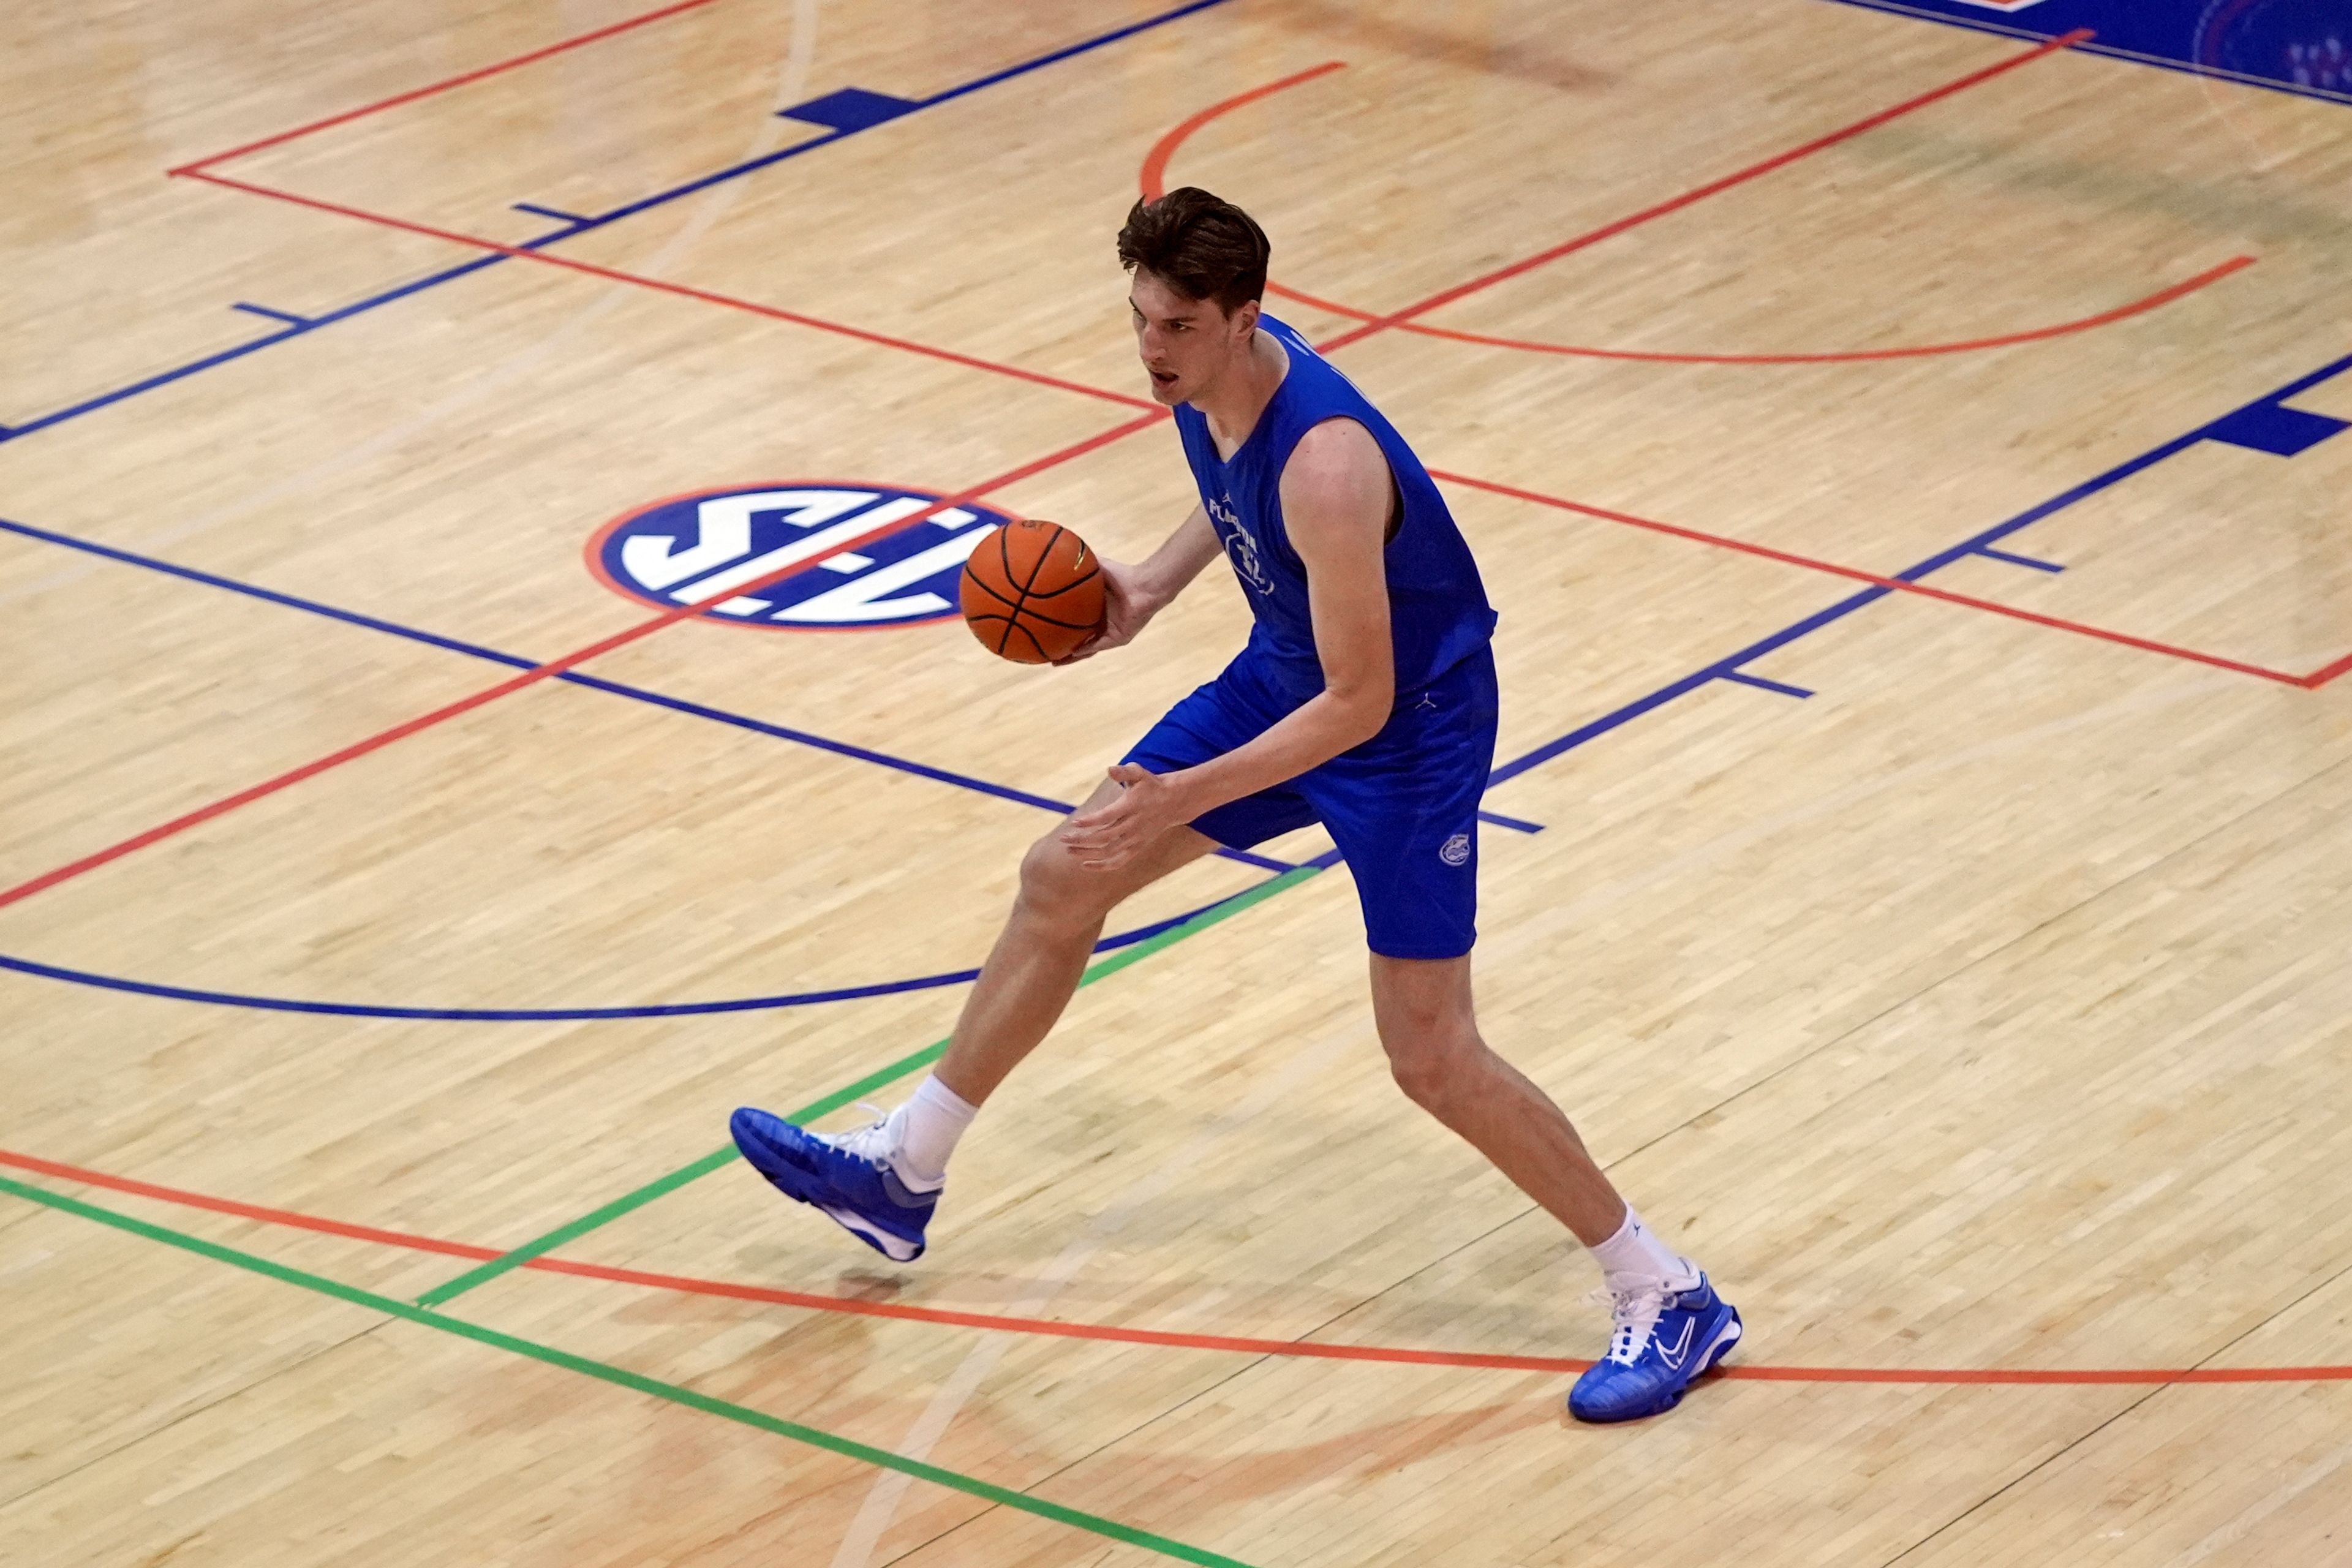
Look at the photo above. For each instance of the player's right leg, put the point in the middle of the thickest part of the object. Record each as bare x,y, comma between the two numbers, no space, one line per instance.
1033,969
882,1182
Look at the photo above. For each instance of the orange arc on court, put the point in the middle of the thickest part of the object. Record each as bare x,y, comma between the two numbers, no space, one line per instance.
1239,1344
1154,178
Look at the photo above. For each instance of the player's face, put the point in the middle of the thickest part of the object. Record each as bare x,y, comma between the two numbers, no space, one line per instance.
1186,344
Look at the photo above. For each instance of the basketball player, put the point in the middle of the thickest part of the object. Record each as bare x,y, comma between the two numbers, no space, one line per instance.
1365,701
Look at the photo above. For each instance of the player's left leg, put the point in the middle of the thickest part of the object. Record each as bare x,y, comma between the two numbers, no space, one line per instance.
1430,1030
1671,1326
882,1182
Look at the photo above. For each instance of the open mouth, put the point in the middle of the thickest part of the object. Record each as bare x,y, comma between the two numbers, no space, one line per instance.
1163,378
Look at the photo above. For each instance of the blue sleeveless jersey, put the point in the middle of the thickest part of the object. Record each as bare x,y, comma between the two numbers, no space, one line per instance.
1438,613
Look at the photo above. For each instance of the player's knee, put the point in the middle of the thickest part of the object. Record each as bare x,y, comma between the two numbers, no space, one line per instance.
1431,1065
1054,888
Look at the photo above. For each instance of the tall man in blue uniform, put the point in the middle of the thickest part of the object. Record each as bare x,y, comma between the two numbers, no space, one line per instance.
1365,701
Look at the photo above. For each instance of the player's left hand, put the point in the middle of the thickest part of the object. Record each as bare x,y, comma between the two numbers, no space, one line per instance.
1114,833
1129,603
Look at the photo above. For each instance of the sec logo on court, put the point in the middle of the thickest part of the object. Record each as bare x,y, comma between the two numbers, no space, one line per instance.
771,555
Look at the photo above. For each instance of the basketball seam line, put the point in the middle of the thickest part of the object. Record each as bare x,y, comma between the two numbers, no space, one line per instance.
982,583
1004,558
1092,573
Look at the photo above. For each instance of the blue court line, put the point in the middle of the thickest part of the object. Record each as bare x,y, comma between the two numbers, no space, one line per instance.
537,211
1728,668
2133,56
561,1015
577,678
212,361
1721,670
1069,52
583,225
1991,554
291,320
1758,681
1517,824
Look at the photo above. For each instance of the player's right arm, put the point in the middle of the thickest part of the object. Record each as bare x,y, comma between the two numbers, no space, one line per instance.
1133,594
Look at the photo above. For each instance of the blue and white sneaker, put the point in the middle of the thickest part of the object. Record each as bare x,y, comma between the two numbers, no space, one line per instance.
1664,1340
849,1176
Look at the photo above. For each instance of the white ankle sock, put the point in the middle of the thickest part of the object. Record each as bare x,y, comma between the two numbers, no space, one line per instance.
924,1130
1636,1253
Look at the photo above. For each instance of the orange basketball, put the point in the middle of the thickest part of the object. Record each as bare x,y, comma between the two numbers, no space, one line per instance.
1033,591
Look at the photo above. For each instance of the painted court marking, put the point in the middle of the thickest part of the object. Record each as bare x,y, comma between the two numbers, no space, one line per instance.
1054,1328
537,673
68,975
1712,188
666,1183
196,817
1155,177
586,225
683,290
500,68
1854,573
2162,297
560,668
1101,969
464,705
606,1372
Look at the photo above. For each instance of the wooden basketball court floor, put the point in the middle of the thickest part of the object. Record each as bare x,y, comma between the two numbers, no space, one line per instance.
1902,454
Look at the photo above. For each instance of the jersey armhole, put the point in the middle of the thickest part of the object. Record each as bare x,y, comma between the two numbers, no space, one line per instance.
1396,486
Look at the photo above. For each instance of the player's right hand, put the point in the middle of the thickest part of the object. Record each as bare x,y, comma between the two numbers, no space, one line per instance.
1128,605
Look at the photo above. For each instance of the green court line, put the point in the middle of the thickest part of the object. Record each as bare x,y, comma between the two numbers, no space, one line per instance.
450,1289
1109,1529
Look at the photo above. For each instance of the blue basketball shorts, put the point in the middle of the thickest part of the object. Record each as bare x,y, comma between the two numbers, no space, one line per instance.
1402,807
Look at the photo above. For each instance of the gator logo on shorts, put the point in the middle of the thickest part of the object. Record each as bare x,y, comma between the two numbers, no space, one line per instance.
1455,850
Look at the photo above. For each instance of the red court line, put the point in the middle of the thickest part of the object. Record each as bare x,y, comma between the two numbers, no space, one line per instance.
1855,573
1166,146
439,86
242,1210
1153,179
1155,161
1712,188
555,666
2325,673
375,743
1055,1329
683,290
2162,297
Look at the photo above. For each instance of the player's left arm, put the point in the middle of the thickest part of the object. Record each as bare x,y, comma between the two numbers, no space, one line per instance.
1336,496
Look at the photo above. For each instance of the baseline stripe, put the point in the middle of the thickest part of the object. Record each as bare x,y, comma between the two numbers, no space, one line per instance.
1056,1328
847,1095
606,1372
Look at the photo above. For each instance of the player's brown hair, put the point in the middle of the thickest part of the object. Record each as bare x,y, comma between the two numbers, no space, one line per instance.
1202,245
